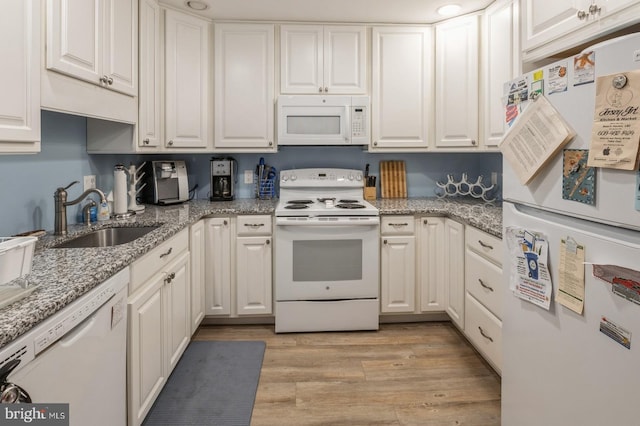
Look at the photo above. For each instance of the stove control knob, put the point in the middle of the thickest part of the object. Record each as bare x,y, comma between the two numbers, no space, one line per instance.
285,178
294,177
351,177
358,177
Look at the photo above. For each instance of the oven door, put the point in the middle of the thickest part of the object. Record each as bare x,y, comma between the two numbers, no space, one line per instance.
327,258
313,120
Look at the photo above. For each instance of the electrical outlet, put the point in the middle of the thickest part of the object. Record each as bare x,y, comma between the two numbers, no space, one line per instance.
494,178
89,182
248,176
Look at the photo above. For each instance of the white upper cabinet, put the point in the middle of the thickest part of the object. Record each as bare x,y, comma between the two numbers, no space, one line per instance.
402,88
95,41
150,102
20,76
553,26
244,87
120,52
323,59
90,63
457,57
187,81
500,63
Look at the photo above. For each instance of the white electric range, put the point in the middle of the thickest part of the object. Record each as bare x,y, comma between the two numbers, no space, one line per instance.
326,252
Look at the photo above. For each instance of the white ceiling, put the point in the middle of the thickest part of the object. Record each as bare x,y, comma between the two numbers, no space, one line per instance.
374,11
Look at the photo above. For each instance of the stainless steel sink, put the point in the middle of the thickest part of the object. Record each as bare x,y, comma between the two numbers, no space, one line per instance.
107,237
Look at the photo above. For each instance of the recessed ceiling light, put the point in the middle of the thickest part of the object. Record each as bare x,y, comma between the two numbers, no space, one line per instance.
197,5
449,9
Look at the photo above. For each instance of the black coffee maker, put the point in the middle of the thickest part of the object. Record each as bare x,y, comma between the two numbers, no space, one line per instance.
223,178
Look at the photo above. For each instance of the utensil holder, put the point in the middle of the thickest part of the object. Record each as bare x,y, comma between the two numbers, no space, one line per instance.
265,188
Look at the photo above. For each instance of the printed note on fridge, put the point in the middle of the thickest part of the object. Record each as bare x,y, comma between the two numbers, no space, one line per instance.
615,135
534,138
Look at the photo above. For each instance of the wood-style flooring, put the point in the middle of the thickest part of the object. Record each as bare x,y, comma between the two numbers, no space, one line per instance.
403,374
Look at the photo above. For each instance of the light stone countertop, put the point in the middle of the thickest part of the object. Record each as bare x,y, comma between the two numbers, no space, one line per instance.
60,276
484,216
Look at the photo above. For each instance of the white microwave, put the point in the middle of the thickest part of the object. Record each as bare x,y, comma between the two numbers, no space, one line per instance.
323,120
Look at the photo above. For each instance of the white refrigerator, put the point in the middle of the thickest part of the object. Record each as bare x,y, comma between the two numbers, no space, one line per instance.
559,367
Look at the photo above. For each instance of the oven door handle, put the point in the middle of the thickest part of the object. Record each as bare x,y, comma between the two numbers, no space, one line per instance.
373,221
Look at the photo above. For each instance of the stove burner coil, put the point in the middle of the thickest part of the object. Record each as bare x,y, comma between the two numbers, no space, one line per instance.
348,201
300,202
350,206
296,206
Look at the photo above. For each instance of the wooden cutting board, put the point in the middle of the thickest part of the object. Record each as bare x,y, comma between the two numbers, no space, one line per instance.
393,178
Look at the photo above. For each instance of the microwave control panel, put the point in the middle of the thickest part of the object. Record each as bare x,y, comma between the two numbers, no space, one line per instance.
360,120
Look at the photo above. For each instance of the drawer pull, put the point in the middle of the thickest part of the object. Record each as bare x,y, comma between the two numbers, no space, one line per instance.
485,245
484,335
484,285
170,278
167,253
399,224
254,225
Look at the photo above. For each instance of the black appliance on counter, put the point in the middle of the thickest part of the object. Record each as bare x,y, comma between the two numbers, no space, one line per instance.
166,182
223,178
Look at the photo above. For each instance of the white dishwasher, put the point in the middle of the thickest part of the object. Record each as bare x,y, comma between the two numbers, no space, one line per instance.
78,356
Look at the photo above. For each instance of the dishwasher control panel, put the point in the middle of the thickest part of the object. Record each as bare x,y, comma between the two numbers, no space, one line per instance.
69,321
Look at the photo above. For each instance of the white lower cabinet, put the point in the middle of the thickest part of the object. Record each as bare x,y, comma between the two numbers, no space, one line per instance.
253,275
431,258
484,290
197,239
217,266
454,271
397,264
484,331
238,269
159,322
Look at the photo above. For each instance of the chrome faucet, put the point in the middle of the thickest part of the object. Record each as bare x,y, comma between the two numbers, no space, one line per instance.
61,203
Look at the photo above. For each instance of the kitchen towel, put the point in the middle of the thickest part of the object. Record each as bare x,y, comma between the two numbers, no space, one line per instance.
214,383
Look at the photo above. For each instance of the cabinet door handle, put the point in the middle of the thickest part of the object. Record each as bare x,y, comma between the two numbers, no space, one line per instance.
270,143
224,222
484,285
103,79
398,224
146,141
326,89
473,141
319,89
254,225
170,278
485,335
267,242
384,242
109,81
167,253
485,245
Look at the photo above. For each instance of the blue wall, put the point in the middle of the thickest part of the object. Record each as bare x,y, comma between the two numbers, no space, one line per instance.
29,181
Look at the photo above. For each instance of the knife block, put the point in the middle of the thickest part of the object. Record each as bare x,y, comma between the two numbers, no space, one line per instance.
369,192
